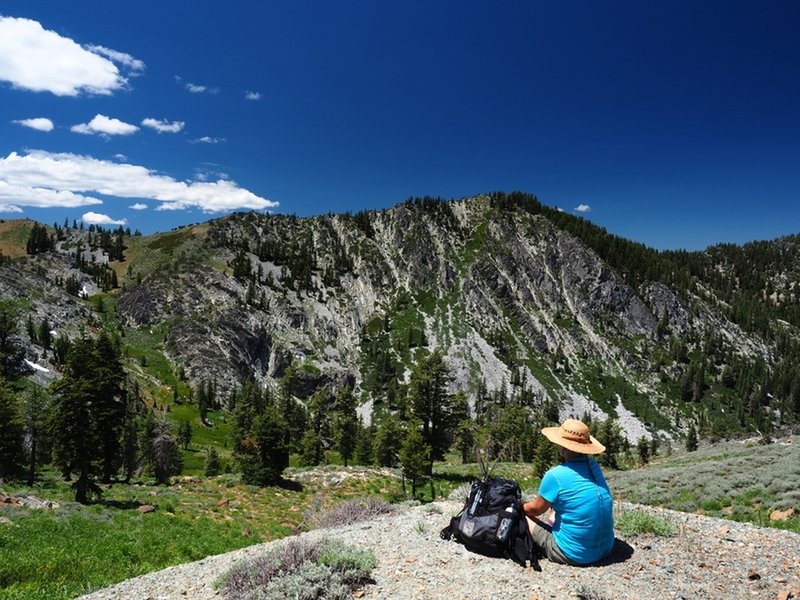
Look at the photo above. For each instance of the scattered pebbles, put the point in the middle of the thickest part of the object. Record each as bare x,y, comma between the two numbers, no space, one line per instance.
707,558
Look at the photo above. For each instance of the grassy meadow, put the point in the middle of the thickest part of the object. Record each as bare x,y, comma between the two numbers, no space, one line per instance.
71,549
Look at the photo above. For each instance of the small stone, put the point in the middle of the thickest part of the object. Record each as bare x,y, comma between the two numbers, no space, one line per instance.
146,508
752,575
223,502
783,596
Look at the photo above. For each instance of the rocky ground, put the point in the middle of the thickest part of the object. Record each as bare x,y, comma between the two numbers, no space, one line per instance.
706,558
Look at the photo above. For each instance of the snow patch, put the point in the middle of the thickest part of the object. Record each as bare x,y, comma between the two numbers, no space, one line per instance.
36,367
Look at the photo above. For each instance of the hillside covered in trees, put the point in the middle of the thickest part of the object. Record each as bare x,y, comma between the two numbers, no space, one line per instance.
385,337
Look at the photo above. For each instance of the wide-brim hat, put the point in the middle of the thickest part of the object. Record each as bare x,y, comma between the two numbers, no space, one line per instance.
574,435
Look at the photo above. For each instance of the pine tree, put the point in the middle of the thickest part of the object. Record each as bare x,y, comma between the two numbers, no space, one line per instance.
365,451
346,423
388,440
11,434
185,433
89,413
643,446
73,430
431,405
35,424
415,457
691,439
212,465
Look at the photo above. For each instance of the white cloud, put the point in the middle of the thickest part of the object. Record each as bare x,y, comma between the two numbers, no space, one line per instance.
138,206
105,126
71,175
208,140
134,64
94,218
15,195
252,95
201,89
36,59
163,126
38,123
120,156
583,208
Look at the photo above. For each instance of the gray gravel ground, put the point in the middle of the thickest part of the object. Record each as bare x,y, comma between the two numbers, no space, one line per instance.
707,558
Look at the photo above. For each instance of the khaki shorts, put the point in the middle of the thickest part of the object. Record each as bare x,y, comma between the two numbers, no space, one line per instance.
542,534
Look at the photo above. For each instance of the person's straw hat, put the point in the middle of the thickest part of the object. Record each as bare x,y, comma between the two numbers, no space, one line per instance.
574,435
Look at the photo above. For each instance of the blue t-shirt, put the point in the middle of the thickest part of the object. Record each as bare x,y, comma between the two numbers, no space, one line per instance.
584,525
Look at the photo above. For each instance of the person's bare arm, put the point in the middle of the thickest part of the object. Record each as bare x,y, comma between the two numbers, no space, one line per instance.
535,507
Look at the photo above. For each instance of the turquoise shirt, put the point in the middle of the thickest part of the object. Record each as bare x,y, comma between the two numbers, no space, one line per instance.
584,525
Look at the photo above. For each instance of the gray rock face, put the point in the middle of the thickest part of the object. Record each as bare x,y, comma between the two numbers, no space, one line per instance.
530,288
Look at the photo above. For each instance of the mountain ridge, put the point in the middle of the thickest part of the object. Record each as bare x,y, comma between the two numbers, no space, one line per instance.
522,300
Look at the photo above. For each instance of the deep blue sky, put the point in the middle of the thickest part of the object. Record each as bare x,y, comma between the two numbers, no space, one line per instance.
676,124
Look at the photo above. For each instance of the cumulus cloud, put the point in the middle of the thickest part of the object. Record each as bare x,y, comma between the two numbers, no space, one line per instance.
38,123
252,95
163,126
72,175
583,208
13,196
138,206
94,218
37,59
104,125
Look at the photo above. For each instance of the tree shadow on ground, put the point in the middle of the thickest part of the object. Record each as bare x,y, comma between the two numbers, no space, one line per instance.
454,477
288,484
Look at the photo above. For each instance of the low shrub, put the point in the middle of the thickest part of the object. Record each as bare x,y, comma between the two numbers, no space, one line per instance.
303,570
631,523
347,512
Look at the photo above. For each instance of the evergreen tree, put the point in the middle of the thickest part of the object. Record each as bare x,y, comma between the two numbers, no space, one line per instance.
273,452
11,434
691,439
465,439
76,444
108,408
184,433
388,440
431,405
415,457
44,337
35,424
212,465
643,447
365,452
88,413
11,354
346,423
610,435
317,432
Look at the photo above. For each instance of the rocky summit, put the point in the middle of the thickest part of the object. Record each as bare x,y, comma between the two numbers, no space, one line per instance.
525,303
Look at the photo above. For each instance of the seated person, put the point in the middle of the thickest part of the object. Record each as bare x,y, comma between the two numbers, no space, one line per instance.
583,530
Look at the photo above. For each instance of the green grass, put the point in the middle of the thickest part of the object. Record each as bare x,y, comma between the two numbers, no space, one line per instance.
632,523
61,553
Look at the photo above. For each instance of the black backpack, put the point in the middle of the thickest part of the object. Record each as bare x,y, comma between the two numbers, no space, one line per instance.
491,522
